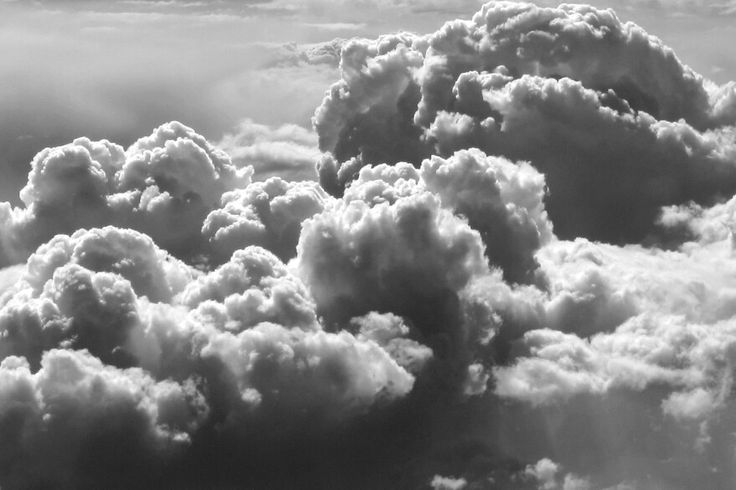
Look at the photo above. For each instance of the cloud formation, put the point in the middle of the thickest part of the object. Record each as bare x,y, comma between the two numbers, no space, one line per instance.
616,138
266,213
289,151
107,330
164,184
516,270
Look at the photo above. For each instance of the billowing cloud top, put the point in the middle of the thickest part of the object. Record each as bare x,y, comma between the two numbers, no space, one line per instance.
516,270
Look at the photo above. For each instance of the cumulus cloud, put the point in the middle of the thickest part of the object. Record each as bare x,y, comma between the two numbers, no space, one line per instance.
503,201
80,291
357,255
546,473
645,330
267,213
250,288
69,420
105,329
616,138
609,142
164,185
370,107
515,271
447,483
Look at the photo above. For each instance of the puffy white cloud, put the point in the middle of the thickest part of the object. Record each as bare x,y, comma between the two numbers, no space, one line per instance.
627,317
181,163
170,351
688,359
567,41
109,291
444,311
400,256
164,185
81,292
448,483
642,334
82,170
152,272
653,162
502,200
294,370
174,176
594,287
252,287
359,112
267,213
544,471
390,332
530,83
617,127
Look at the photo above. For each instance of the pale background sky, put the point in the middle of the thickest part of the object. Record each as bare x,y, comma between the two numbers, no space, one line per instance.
117,69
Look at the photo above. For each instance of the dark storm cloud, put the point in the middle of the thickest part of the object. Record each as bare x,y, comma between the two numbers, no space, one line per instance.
435,314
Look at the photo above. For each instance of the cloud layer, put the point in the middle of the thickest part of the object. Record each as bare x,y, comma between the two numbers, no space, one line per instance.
515,271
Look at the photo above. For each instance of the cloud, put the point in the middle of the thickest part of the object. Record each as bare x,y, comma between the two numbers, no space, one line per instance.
266,213
289,151
357,255
546,472
172,176
501,200
638,333
528,83
663,162
688,6
163,350
250,288
515,271
77,87
614,143
447,483
73,416
81,290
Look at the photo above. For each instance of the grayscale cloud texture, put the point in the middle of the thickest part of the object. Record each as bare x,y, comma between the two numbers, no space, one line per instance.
501,257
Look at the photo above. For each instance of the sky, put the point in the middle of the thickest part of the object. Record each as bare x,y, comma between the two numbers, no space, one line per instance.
367,244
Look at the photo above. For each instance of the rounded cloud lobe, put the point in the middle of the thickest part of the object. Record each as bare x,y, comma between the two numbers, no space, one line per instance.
515,271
